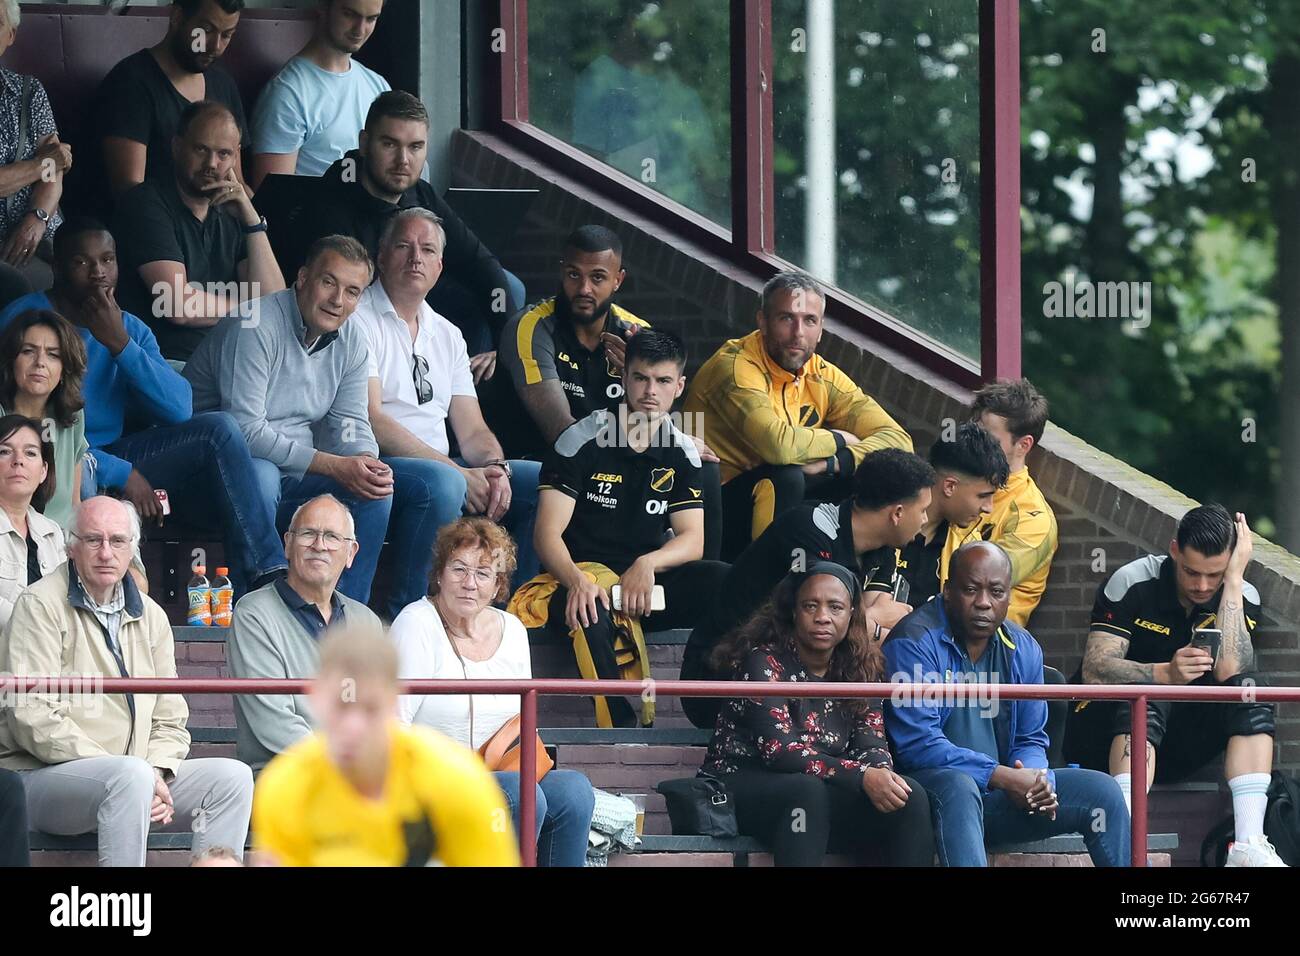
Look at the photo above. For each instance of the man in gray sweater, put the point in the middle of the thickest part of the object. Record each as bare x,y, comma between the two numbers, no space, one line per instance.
293,372
277,628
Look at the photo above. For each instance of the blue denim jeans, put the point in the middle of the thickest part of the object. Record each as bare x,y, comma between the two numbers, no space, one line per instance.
438,492
565,802
1091,804
206,470
371,517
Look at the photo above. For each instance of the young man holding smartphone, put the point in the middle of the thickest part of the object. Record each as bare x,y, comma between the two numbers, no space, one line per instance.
610,491
1145,625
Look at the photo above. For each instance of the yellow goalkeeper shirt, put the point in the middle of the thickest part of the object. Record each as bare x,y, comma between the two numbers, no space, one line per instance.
439,805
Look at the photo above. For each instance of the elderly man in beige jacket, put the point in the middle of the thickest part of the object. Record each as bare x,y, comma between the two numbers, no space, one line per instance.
113,764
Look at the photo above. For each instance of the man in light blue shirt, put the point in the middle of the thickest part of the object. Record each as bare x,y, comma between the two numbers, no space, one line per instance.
309,114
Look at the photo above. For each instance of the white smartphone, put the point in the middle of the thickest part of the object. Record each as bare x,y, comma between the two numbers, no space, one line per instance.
656,597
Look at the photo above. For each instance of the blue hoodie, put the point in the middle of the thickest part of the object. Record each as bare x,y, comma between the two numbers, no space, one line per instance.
923,643
138,377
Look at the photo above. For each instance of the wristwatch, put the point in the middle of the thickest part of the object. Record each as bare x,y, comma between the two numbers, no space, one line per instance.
40,214
500,463
259,226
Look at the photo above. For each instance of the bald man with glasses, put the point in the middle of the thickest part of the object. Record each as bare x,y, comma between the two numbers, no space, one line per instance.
277,629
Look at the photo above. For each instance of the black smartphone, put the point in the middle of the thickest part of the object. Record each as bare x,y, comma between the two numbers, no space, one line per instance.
1208,639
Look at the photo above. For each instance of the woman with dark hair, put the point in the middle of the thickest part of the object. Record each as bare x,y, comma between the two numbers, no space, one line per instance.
456,633
42,366
31,545
811,773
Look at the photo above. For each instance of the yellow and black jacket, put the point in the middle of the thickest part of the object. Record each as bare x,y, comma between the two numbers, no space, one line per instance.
757,413
1023,524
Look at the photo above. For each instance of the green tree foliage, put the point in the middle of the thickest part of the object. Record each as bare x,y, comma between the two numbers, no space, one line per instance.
1173,399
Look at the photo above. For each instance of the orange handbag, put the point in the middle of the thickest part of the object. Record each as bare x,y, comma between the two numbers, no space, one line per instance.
501,751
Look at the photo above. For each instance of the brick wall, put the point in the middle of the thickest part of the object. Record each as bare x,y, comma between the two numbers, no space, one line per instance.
1100,502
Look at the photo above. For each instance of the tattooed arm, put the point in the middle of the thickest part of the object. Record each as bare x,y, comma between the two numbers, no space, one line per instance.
1237,653
1104,663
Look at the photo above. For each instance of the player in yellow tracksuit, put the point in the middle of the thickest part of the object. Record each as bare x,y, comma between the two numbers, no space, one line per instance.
366,791
1022,522
786,424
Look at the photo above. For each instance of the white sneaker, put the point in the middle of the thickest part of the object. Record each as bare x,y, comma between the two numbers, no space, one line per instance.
1256,851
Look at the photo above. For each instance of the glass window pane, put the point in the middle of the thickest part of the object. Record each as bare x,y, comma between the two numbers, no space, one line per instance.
877,155
641,86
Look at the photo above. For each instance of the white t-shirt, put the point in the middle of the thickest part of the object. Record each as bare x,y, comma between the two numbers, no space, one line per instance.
425,653
392,361
315,112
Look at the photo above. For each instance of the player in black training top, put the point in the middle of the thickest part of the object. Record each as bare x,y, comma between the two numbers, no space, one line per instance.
968,471
610,491
1144,630
891,492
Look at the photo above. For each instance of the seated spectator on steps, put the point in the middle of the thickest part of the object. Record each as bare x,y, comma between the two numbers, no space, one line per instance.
201,461
359,193
565,358
32,165
193,247
138,105
984,761
787,424
31,545
295,378
454,633
891,495
42,374
1022,522
610,492
420,382
276,629
565,354
111,764
969,470
1144,630
365,790
308,115
827,758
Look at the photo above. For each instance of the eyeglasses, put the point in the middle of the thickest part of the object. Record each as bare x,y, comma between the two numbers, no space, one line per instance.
484,576
420,368
118,542
309,536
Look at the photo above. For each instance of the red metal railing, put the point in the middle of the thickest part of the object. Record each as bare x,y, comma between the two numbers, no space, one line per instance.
529,690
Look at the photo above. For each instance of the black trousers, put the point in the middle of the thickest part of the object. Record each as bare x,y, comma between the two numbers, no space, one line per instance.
800,817
753,499
688,592
13,820
1186,735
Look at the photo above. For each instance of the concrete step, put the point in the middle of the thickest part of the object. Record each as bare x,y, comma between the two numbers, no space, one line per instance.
173,849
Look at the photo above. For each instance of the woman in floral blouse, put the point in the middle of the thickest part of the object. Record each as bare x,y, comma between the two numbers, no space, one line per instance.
811,773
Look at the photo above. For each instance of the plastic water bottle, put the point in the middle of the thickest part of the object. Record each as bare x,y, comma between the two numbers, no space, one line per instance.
200,594
223,599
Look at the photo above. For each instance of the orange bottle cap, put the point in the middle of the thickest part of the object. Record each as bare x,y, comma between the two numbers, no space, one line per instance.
223,571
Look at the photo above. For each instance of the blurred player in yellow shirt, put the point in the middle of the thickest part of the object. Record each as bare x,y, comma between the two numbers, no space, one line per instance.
366,791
